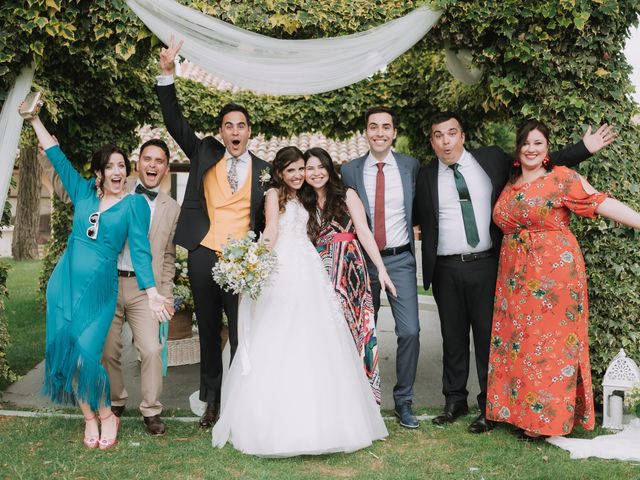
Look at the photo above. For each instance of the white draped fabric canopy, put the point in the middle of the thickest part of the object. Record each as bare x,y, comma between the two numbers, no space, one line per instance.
282,67
10,127
250,60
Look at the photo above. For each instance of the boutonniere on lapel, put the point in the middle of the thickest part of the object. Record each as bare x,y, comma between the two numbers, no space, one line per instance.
264,177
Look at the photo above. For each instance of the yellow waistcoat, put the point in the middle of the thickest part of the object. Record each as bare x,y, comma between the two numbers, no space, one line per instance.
229,213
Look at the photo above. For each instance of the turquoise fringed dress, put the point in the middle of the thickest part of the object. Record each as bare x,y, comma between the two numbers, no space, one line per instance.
83,288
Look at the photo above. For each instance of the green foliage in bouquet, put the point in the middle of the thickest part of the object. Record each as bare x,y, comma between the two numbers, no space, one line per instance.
244,266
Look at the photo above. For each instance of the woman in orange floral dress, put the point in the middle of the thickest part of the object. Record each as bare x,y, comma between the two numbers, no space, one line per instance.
539,372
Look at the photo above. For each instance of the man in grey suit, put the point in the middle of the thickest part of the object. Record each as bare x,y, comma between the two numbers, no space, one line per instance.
385,181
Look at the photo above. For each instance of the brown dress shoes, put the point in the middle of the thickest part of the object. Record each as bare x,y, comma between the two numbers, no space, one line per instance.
155,425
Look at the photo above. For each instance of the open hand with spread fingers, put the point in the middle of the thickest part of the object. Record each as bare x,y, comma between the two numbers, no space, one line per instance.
599,139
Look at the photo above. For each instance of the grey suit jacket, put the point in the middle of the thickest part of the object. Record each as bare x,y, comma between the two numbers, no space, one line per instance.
353,177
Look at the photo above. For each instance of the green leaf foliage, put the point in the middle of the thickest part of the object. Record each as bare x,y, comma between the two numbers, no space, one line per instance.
6,374
557,60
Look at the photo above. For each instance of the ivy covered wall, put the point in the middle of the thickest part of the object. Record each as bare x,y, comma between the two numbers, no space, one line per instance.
558,60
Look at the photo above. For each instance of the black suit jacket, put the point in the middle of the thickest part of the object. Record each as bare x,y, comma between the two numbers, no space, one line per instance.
496,164
193,223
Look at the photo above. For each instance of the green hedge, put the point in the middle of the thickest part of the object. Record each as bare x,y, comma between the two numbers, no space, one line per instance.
6,375
558,60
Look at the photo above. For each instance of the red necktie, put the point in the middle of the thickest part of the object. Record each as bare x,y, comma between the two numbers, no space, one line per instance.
379,229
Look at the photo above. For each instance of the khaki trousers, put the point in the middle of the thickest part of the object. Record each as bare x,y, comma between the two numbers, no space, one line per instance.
133,307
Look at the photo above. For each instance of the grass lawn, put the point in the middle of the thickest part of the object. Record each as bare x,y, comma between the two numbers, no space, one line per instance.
52,448
422,291
25,315
34,448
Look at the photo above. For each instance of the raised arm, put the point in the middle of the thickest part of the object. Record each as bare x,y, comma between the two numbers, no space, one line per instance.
174,119
271,213
73,183
591,143
359,218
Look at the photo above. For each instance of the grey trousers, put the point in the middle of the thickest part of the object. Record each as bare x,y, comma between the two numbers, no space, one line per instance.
404,307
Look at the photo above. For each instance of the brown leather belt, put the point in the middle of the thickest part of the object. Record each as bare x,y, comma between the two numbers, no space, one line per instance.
126,273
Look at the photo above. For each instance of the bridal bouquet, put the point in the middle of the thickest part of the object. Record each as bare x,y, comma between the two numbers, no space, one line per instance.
245,266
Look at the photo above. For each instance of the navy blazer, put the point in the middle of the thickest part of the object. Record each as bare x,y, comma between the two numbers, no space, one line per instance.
496,164
193,222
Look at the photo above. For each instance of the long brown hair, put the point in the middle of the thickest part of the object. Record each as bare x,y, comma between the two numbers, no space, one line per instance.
285,157
335,192
521,137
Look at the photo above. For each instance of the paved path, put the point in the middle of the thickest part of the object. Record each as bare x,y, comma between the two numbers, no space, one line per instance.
182,381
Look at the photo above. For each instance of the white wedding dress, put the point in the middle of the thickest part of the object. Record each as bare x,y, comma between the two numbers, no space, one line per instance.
296,385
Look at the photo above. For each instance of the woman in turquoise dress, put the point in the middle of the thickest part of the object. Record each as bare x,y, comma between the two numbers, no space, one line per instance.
82,291
338,228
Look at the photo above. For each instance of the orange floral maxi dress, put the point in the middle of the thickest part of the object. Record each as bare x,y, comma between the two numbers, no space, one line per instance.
539,372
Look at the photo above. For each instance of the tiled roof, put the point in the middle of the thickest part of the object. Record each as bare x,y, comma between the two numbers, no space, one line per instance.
340,151
197,74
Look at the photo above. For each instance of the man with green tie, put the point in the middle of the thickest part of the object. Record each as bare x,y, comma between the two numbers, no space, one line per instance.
454,199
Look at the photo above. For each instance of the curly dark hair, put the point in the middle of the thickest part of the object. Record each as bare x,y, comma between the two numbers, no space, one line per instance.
522,134
335,195
285,157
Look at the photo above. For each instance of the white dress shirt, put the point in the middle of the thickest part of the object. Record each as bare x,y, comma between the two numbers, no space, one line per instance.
244,160
124,259
395,220
451,235
164,80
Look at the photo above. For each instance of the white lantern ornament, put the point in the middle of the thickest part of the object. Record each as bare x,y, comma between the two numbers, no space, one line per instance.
621,375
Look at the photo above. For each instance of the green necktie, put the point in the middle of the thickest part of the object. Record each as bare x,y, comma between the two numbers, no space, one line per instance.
468,218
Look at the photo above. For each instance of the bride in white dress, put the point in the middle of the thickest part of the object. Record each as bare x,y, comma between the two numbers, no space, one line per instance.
296,386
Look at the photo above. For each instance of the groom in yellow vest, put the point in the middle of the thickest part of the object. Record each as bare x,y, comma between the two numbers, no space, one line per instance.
224,197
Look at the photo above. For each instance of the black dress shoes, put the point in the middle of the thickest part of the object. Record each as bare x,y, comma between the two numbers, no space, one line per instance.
210,415
522,436
405,416
117,410
155,425
481,424
450,413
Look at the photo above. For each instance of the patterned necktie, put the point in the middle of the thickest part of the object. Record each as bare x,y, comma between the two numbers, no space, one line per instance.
379,228
232,174
145,191
468,218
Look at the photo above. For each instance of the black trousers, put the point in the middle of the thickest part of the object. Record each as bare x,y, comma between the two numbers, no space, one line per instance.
464,293
210,301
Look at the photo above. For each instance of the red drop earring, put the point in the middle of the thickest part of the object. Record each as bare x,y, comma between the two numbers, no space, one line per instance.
516,163
546,162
